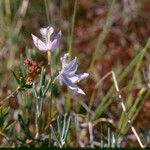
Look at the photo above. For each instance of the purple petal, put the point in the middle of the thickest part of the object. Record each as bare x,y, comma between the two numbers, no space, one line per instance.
71,68
77,78
83,76
63,60
71,85
55,44
47,31
38,43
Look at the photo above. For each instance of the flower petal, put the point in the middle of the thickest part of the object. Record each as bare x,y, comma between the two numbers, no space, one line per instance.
83,76
72,67
71,85
63,60
80,91
77,78
47,31
55,43
38,43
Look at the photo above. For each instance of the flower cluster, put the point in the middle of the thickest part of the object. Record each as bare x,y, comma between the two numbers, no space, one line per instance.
32,68
67,75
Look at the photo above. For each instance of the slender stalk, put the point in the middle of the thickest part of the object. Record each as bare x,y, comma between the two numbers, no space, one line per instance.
51,95
49,57
103,34
125,111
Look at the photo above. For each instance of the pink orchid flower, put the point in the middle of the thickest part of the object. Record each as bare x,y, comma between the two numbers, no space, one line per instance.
68,75
47,44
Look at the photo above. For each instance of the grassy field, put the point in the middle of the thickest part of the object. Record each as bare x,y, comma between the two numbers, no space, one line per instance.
74,73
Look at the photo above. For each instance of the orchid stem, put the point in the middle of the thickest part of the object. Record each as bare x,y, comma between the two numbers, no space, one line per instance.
49,57
51,90
49,64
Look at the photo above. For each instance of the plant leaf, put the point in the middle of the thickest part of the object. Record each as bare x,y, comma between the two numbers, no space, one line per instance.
16,78
24,127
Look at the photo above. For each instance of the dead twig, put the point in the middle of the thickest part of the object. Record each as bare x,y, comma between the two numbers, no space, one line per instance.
125,111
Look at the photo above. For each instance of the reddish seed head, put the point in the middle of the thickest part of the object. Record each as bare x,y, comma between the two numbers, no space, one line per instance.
27,62
32,69
34,63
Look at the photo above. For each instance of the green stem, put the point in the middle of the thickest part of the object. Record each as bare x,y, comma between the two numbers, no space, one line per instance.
49,57
51,90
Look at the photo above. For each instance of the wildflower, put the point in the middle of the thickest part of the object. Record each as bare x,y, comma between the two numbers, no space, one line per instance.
47,44
67,74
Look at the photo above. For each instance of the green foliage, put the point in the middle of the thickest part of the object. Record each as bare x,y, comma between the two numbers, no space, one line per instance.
111,141
3,115
16,78
44,87
63,124
5,125
22,84
24,127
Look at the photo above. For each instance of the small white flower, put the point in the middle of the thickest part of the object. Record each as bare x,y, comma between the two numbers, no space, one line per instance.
47,45
67,74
